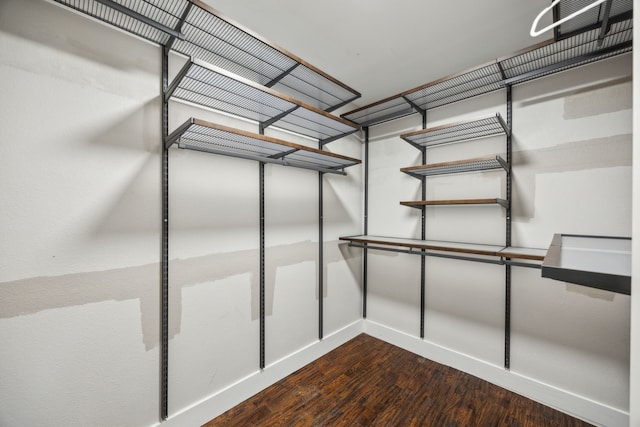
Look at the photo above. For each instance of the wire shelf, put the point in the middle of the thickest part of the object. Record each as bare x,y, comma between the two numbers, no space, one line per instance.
458,166
201,32
419,204
477,81
590,19
213,87
213,138
533,62
163,15
568,53
388,109
457,132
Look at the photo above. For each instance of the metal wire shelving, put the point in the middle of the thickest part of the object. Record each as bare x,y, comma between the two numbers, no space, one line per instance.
193,28
458,166
214,138
213,87
575,49
457,132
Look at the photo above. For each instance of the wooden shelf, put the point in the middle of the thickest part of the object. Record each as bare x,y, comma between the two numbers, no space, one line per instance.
457,132
532,62
195,29
530,254
210,86
422,203
459,166
213,138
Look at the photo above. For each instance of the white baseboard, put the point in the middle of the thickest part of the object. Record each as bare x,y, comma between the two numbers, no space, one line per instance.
562,400
229,397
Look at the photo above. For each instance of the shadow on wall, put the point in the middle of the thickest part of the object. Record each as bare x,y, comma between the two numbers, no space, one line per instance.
56,26
33,295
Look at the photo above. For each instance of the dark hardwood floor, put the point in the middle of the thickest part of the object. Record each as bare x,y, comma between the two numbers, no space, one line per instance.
368,382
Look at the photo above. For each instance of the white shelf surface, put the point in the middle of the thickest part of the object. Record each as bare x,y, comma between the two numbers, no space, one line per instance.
459,247
595,261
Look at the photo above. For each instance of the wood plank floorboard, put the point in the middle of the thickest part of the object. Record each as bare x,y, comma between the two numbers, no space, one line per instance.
368,382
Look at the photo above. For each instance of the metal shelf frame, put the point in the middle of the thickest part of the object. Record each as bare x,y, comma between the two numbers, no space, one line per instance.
419,204
457,132
193,28
200,135
455,250
577,48
212,87
459,166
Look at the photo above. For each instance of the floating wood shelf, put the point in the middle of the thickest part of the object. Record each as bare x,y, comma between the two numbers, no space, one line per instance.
213,138
457,247
210,86
533,62
195,29
596,261
422,203
457,132
458,166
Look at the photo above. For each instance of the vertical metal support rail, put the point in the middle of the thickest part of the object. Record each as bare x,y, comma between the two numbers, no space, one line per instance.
423,235
164,262
262,262
366,221
320,253
164,292
507,281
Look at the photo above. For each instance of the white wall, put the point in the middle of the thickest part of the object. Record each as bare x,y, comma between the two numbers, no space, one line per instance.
571,174
80,247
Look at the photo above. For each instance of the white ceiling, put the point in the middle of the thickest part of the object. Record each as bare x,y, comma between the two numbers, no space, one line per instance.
381,48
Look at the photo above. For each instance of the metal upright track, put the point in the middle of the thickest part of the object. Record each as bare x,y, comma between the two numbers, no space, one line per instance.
262,272
320,254
366,221
507,281
423,225
164,290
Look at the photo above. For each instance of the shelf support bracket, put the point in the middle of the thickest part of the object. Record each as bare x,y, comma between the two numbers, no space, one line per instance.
334,138
274,119
284,74
135,15
605,22
422,112
342,104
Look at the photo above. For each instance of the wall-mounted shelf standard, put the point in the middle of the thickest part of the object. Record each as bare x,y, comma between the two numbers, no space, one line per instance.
213,138
457,132
465,250
458,166
196,30
419,204
210,86
535,61
595,261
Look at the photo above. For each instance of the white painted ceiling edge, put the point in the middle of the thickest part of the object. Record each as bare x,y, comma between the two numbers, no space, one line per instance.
381,48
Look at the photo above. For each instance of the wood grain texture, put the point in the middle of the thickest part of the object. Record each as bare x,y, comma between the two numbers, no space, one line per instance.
368,382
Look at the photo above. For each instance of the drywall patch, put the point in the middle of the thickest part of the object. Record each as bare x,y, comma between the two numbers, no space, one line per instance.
614,151
598,100
36,294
